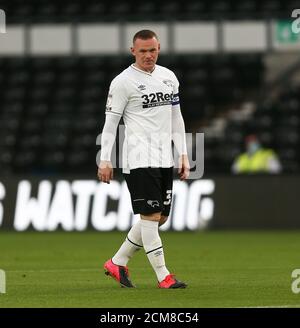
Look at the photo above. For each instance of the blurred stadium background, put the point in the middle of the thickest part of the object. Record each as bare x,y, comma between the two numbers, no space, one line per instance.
239,68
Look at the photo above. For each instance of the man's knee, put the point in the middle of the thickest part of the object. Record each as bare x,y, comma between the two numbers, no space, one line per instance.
152,217
162,219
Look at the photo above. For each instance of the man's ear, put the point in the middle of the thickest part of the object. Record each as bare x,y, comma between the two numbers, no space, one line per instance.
159,47
132,51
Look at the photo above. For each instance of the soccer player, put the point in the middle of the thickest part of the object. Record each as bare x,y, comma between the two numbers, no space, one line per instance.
146,96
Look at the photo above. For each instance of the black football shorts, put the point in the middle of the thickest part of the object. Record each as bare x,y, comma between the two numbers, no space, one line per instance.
150,190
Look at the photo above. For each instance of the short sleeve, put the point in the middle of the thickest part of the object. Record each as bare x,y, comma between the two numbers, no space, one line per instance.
117,98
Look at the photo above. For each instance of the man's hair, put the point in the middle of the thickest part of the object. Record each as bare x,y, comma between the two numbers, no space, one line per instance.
145,35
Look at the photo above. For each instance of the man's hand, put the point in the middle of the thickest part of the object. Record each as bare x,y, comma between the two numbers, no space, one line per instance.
183,167
105,171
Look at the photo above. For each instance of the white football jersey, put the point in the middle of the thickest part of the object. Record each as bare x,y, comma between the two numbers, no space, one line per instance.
145,101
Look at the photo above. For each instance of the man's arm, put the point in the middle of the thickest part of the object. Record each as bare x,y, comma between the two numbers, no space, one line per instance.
178,134
116,102
105,169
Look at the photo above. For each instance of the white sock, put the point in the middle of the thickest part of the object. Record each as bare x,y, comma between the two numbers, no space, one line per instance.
153,248
132,243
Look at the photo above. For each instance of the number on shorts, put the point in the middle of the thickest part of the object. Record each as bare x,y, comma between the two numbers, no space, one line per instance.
168,197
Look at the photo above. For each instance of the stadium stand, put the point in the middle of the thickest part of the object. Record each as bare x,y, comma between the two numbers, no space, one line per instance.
53,108
276,122
80,10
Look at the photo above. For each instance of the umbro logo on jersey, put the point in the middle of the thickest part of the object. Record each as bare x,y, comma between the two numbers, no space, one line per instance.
153,203
142,87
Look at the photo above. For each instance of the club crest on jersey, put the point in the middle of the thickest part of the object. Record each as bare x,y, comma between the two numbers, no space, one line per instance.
169,83
142,87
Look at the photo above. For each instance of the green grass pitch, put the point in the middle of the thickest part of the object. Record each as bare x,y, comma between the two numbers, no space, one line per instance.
222,269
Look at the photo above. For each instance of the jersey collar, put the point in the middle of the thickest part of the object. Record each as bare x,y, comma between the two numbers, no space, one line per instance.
140,70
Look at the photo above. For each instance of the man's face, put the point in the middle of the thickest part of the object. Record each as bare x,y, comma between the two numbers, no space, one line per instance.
146,53
252,147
